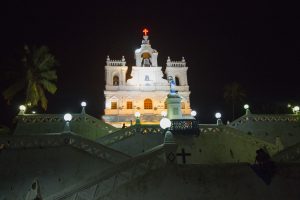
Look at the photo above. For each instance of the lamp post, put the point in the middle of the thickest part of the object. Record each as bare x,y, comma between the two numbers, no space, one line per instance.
165,123
163,113
296,109
67,118
218,116
193,113
137,118
83,105
246,107
169,141
22,109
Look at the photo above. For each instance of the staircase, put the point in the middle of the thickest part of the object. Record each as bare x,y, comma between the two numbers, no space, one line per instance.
103,185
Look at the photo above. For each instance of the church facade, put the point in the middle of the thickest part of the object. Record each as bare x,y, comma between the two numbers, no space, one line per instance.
146,90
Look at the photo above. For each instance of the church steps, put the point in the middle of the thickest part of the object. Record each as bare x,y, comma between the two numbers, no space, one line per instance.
133,167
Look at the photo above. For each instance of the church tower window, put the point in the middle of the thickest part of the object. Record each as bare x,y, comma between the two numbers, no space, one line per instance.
177,81
114,105
148,104
129,104
115,80
146,62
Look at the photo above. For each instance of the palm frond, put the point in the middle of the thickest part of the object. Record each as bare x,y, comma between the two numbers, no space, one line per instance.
12,90
32,97
49,86
43,99
49,75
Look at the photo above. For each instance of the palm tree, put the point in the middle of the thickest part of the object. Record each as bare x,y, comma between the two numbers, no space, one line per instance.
36,75
234,93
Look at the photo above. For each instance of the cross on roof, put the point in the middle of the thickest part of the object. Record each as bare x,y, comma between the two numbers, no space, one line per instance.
183,154
145,31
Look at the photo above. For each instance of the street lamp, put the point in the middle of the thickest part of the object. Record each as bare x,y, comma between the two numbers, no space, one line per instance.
137,117
246,107
83,105
165,123
193,113
296,109
218,116
163,113
22,109
67,117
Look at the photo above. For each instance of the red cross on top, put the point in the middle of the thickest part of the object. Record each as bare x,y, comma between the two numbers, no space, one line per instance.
145,31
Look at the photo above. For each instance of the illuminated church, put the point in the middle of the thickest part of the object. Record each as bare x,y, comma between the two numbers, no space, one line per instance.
146,90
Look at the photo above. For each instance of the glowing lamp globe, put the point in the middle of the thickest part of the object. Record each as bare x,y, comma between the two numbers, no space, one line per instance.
137,114
33,112
83,104
193,113
67,117
246,106
165,123
163,113
22,108
218,115
296,109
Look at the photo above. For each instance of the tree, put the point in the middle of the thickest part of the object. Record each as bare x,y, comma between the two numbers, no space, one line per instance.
234,93
35,75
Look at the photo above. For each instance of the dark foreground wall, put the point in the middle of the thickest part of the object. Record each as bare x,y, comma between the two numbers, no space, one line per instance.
207,182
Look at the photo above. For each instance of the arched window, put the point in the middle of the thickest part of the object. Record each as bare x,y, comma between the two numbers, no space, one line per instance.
147,104
166,105
115,80
177,81
146,59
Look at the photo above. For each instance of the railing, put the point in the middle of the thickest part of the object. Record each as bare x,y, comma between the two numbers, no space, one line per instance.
210,128
222,129
110,62
264,118
128,132
289,154
64,139
83,124
185,127
181,63
107,181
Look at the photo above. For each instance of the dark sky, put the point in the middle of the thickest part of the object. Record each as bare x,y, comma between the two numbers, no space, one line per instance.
253,43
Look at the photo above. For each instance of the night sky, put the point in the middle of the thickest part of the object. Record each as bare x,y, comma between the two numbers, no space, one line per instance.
253,43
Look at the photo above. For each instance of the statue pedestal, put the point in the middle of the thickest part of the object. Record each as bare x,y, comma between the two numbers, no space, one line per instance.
174,106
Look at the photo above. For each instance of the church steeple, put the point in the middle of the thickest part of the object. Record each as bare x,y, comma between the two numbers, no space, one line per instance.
145,37
146,56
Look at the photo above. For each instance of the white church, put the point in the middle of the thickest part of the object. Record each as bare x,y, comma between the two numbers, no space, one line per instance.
146,90
75,156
